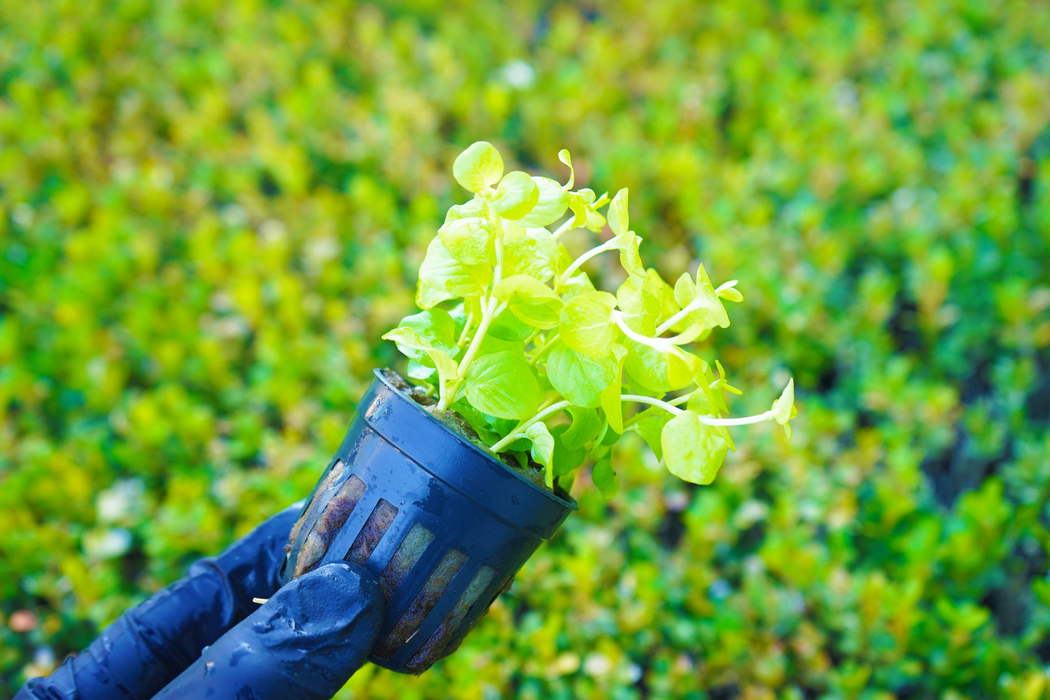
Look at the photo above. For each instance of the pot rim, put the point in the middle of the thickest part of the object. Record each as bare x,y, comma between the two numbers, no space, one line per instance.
563,499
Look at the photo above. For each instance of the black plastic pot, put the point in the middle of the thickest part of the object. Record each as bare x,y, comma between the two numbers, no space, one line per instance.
442,524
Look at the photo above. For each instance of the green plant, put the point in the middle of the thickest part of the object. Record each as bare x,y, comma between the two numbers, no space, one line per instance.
513,332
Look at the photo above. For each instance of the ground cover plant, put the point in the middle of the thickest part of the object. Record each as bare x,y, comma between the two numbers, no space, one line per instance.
212,212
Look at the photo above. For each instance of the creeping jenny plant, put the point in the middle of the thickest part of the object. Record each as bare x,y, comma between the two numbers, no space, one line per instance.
513,332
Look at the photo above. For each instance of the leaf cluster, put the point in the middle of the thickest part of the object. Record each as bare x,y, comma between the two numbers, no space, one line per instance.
514,335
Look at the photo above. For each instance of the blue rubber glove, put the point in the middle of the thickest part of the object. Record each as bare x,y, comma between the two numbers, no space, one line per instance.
305,642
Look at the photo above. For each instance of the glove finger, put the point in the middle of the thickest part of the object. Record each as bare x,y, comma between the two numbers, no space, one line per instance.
305,642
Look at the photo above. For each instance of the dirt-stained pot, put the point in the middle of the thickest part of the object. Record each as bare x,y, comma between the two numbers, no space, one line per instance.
443,525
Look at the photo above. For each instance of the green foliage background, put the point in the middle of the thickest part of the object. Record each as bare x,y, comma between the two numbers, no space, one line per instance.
210,212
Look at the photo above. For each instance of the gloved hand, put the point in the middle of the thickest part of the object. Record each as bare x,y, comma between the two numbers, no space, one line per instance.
305,642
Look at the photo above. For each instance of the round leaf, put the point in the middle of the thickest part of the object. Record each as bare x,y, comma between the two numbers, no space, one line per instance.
586,323
478,167
618,213
551,204
692,451
578,377
470,240
516,195
530,300
442,271
502,384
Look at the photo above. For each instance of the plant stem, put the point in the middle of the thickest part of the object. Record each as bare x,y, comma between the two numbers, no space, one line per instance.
748,420
689,308
598,250
543,349
502,444
490,308
564,228
661,344
652,402
466,329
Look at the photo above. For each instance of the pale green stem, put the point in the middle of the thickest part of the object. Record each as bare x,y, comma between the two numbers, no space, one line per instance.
567,275
543,348
466,329
652,402
748,420
690,307
490,308
661,344
554,408
564,228
666,325
497,274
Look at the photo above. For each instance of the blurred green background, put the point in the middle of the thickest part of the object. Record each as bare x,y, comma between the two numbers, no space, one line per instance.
211,211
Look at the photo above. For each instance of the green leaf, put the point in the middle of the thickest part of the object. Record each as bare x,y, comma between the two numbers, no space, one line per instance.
516,195
610,399
586,323
482,424
639,304
618,213
731,294
427,297
491,344
604,478
565,459
709,312
659,371
475,208
692,451
564,157
502,384
578,377
478,167
530,300
578,202
417,370
533,254
509,327
542,448
470,240
631,261
442,271
434,326
551,204
784,407
579,285
585,427
408,339
447,368
650,425
582,205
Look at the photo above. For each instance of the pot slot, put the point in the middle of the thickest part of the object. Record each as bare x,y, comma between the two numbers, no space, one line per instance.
405,557
433,648
375,527
422,604
329,480
329,524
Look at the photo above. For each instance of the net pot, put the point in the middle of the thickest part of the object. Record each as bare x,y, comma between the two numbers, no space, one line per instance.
443,525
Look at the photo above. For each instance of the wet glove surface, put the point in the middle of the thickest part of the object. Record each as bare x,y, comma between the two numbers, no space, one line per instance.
305,642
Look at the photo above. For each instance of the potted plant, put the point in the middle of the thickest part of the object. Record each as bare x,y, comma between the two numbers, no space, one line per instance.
521,370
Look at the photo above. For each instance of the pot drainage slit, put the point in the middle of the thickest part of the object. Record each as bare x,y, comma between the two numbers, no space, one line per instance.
422,604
